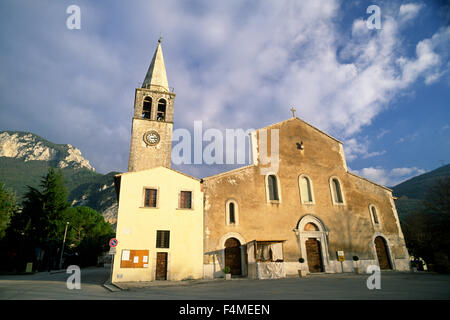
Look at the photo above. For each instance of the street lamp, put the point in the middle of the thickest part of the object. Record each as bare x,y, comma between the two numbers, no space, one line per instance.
62,250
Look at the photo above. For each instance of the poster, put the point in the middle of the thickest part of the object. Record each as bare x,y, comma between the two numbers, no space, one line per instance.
125,255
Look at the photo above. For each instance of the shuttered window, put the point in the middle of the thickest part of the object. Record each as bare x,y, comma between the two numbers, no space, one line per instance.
374,214
150,198
273,187
337,191
162,238
305,189
185,199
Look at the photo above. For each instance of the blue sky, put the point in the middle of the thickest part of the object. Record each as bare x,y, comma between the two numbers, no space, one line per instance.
235,64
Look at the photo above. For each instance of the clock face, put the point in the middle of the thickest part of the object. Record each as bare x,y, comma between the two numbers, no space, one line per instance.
151,138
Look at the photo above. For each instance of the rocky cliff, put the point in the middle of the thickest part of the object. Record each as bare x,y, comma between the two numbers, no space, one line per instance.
25,159
28,146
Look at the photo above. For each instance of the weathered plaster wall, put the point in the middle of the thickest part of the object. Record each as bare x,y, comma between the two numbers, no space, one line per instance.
349,226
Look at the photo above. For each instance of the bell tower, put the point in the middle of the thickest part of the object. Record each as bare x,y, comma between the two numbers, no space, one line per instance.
152,124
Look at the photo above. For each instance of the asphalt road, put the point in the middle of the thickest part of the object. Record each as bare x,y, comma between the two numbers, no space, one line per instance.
394,285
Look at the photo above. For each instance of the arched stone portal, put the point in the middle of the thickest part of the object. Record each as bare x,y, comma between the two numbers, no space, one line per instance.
233,256
312,237
382,253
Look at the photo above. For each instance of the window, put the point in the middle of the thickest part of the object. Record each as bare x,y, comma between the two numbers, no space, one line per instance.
150,198
185,200
147,108
306,193
336,191
310,227
231,210
374,213
162,239
161,114
273,187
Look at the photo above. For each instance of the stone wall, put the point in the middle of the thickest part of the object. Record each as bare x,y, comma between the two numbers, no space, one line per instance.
346,227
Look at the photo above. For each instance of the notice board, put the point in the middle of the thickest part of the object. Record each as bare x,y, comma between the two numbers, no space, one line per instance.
134,259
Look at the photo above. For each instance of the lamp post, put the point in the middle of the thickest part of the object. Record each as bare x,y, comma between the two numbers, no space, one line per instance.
62,250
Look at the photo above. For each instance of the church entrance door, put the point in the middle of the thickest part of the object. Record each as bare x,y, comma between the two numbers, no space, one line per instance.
233,256
382,254
313,255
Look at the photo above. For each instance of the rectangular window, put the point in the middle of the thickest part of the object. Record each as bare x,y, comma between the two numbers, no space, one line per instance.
186,200
162,239
150,198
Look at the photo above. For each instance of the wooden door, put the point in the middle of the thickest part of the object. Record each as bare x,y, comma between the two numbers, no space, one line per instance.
382,254
233,256
161,266
313,255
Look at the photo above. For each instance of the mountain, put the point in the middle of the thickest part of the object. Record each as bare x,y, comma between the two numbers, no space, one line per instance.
25,158
412,192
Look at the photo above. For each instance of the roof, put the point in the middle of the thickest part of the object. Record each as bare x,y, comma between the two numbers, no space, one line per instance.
308,124
156,74
133,172
228,172
379,185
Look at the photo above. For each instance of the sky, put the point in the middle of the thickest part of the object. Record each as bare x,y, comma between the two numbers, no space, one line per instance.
384,92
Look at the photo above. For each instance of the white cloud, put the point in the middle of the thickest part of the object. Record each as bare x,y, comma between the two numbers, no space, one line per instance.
387,177
233,65
359,149
382,133
409,11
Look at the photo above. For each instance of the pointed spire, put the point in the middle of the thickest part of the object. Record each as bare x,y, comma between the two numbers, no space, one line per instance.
156,74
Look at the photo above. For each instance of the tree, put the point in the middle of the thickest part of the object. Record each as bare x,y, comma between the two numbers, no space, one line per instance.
7,209
43,212
427,230
88,233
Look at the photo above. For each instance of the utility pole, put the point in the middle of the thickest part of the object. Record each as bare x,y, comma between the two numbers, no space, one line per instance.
62,250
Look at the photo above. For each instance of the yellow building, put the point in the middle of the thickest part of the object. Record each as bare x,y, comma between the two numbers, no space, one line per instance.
159,226
160,216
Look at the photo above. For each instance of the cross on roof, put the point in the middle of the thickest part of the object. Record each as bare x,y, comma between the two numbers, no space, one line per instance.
293,112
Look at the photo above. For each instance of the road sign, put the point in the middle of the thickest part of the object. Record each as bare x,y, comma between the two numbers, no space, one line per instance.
113,243
112,250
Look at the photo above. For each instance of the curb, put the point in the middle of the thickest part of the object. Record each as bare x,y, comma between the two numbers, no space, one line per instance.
112,287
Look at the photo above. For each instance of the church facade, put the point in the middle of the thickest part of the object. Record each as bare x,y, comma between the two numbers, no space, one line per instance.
322,214
262,221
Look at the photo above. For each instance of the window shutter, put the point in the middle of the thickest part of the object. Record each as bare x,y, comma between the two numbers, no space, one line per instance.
162,239
273,191
186,199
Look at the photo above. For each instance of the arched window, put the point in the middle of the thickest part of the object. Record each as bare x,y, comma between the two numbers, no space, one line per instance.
231,209
374,214
161,114
306,191
310,227
147,108
232,214
336,191
273,187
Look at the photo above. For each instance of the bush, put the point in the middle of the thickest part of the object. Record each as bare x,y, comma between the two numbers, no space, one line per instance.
227,270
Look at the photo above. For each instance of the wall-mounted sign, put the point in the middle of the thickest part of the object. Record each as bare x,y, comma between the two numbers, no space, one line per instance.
113,242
